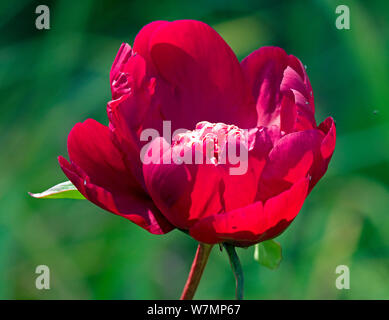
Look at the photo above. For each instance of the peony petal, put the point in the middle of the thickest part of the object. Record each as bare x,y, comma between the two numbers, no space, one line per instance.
130,78
253,223
183,192
198,74
288,113
128,115
120,61
293,157
273,75
239,190
327,147
239,225
306,89
301,89
132,110
90,147
187,192
98,171
283,208
142,43
263,70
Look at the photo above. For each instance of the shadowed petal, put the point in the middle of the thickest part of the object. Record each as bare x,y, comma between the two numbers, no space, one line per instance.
273,75
120,61
253,223
327,148
293,157
183,192
142,43
198,74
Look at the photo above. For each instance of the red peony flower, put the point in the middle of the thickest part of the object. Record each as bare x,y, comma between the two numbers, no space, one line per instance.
184,72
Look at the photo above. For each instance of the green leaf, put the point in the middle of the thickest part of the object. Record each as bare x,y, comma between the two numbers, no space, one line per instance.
268,253
64,190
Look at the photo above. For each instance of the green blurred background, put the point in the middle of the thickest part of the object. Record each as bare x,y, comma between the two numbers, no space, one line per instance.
51,79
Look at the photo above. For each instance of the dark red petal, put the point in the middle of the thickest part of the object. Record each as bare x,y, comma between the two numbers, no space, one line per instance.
97,169
306,89
273,75
120,61
253,223
263,141
133,110
325,152
130,78
124,120
134,207
283,208
142,43
188,192
237,225
295,80
328,145
183,192
288,113
239,189
292,158
90,147
201,76
263,70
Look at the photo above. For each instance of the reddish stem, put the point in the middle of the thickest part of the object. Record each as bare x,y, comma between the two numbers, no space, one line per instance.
198,265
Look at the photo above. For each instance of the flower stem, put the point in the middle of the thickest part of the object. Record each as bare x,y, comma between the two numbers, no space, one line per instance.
198,265
236,269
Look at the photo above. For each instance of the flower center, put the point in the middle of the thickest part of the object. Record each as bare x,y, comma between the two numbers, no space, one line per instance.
211,140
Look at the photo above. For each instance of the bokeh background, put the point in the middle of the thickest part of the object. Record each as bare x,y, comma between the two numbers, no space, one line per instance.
51,79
